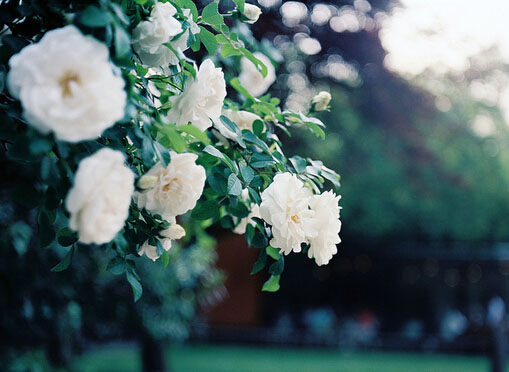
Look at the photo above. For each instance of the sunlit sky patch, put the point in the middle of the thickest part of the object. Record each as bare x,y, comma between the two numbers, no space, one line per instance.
441,35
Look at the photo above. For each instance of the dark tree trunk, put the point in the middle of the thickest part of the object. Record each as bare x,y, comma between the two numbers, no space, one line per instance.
55,351
498,349
152,354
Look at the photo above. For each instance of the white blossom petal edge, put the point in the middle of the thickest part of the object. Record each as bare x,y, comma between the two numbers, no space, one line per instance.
202,99
285,206
67,85
173,190
326,208
252,79
100,198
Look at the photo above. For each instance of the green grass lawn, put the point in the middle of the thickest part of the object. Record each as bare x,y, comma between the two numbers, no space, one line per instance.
261,359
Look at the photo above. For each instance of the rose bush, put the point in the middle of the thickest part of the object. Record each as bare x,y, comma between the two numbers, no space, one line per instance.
118,96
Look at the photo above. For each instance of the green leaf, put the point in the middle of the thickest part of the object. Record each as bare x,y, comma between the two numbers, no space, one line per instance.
315,129
249,136
92,16
222,39
272,284
209,40
235,84
190,68
250,230
234,185
39,146
163,154
122,41
298,163
64,264
211,16
240,4
229,124
189,4
147,150
218,154
218,183
178,143
227,223
277,267
205,210
195,132
159,248
260,262
116,266
273,252
259,240
165,258
260,66
118,11
260,160
228,50
135,285
258,127
66,237
246,172
254,195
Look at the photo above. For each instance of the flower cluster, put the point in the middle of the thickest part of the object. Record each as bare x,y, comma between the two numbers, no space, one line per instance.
138,140
298,217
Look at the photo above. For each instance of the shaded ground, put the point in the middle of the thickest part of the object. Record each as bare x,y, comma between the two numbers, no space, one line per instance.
257,359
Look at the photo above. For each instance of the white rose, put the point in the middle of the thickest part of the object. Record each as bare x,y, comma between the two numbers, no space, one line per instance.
174,232
285,206
321,100
161,27
100,198
255,212
67,85
202,99
243,119
178,187
252,79
323,246
252,13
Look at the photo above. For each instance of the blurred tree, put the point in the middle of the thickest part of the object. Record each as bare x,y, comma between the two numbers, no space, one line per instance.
412,169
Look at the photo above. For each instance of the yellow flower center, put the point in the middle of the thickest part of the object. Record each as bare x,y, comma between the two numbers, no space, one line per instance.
295,218
65,83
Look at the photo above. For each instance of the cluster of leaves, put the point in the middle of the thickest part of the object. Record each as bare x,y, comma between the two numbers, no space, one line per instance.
47,165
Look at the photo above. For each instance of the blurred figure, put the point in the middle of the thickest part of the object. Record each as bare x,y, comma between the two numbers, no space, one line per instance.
453,325
494,319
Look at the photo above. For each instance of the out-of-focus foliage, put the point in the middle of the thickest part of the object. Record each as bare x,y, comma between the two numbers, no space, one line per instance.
414,166
453,191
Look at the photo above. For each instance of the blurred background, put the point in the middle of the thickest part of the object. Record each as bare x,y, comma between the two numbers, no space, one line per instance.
418,130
